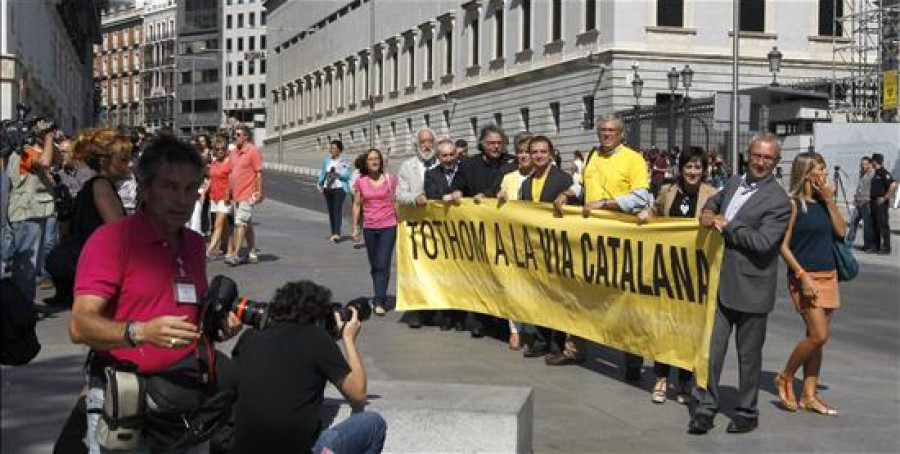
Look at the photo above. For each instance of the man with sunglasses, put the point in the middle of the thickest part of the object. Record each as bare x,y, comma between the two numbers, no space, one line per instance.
246,191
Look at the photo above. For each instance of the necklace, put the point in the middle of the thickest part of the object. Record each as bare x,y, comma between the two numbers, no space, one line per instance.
685,204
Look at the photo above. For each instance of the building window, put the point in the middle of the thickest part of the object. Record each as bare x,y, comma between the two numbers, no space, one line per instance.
448,47
228,45
251,43
411,50
429,58
240,68
251,67
590,15
228,69
670,13
240,44
395,71
250,91
228,93
588,122
262,66
240,91
228,22
240,21
753,16
556,20
830,14
262,42
352,82
498,32
474,30
379,68
251,20
262,17
498,119
526,24
262,90
523,113
473,122
554,114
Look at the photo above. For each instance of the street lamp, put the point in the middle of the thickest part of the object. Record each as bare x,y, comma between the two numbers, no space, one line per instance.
774,57
637,86
673,85
687,79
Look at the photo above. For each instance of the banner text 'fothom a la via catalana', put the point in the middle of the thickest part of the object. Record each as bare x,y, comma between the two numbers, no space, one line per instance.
647,289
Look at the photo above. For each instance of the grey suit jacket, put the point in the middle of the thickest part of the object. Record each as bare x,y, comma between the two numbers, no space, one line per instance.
752,245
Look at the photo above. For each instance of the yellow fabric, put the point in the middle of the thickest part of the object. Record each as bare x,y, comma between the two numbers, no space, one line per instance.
511,183
608,177
647,289
537,187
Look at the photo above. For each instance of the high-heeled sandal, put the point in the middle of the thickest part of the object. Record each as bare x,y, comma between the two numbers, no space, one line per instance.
785,392
659,390
815,404
515,341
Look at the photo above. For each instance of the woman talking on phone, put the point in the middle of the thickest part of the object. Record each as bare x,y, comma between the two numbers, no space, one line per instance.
807,248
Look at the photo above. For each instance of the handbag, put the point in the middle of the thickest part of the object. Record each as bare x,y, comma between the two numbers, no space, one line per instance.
846,264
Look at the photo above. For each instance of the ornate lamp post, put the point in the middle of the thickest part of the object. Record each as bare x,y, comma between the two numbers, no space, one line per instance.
673,85
637,86
774,57
687,79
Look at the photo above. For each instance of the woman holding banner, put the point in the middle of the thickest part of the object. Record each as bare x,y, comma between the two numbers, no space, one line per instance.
373,204
682,199
807,248
509,190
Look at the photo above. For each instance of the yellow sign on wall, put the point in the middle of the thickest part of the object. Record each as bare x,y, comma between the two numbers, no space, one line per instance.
889,100
647,289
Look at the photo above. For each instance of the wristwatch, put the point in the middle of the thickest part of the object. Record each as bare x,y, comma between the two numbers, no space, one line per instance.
131,333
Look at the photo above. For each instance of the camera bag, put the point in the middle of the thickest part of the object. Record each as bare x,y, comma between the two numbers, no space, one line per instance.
185,407
121,423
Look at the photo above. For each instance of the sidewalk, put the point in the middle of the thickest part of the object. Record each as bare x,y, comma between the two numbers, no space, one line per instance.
577,409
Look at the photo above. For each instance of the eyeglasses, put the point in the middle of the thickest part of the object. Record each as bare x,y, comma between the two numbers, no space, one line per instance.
763,157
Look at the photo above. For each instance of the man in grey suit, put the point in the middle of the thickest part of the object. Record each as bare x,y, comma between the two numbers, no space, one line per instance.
752,212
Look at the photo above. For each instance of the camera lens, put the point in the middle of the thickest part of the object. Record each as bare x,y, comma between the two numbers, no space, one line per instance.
252,313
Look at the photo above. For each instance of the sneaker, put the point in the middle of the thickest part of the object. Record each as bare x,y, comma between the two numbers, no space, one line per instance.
252,257
231,260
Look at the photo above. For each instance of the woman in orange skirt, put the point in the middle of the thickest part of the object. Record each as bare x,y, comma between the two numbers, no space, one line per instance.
807,249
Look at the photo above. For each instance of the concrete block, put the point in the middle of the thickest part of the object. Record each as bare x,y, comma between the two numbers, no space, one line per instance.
445,417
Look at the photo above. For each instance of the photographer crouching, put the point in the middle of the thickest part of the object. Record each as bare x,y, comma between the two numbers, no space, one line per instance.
138,293
282,370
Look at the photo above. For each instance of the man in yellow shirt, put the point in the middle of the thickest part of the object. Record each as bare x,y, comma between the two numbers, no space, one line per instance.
615,178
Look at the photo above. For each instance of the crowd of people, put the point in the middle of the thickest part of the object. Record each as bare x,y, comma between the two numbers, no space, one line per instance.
144,214
761,223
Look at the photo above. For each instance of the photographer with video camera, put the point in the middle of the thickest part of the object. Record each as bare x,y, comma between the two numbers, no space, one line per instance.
31,201
282,370
138,293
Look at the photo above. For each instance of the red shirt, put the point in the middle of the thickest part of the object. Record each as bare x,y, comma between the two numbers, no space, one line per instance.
127,263
245,163
219,174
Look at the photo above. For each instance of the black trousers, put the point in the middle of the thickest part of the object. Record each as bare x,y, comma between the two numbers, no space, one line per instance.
334,199
881,224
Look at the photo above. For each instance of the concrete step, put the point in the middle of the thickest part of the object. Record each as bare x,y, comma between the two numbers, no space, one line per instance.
445,417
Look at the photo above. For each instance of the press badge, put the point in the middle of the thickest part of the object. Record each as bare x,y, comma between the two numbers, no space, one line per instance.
185,291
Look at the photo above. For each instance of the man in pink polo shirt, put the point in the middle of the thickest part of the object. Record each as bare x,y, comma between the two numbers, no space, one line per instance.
141,279
246,191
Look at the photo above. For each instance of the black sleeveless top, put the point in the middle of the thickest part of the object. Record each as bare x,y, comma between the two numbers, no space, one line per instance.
812,240
87,218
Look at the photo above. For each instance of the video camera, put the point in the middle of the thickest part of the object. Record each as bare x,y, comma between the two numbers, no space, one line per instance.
222,298
16,134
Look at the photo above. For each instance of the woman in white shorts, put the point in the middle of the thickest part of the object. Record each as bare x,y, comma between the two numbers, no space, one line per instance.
219,196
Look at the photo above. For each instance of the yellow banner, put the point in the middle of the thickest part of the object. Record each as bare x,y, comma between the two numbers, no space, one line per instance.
647,289
889,98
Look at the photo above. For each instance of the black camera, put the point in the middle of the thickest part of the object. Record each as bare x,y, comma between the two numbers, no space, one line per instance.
222,298
16,133
345,313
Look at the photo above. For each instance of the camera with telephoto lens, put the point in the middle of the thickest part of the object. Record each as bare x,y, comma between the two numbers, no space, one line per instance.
220,300
344,313
22,131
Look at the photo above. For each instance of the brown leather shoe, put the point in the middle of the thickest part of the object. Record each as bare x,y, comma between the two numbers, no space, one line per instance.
561,359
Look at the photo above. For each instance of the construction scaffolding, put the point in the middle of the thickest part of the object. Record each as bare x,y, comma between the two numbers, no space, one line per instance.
864,50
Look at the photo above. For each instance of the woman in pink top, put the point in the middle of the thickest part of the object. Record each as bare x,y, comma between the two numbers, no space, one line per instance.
374,200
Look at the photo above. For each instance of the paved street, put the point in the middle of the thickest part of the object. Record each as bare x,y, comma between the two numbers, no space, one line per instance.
577,409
